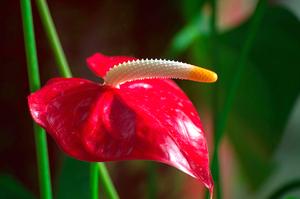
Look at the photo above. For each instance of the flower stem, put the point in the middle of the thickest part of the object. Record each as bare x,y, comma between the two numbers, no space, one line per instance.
214,54
34,83
105,180
94,180
55,44
229,100
65,71
152,180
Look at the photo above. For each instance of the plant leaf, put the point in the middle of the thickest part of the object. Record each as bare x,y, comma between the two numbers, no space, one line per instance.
267,92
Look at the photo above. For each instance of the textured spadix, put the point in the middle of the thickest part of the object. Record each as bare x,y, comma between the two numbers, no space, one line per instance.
156,68
149,119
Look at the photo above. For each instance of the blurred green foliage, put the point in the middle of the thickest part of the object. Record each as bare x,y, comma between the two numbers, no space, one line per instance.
267,92
73,180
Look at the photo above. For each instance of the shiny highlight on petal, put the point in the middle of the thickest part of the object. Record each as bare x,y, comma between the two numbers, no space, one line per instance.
156,68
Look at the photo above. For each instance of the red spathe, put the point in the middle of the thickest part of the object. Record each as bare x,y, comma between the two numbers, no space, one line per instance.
144,119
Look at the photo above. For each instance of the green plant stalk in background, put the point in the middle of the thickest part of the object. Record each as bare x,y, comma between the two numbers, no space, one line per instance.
65,71
50,30
229,100
214,54
34,83
94,180
105,180
290,186
152,180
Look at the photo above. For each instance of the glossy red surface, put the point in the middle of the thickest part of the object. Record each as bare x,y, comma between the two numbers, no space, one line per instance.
145,119
100,63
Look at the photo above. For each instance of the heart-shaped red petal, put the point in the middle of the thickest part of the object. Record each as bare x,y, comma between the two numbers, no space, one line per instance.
144,119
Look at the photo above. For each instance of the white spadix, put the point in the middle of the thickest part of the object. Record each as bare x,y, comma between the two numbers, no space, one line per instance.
156,68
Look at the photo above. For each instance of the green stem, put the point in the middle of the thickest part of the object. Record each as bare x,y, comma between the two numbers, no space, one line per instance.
223,115
49,27
34,83
214,55
258,14
94,180
152,180
293,185
65,71
105,180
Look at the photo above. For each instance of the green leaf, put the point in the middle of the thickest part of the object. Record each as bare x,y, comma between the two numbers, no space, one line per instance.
197,25
10,188
190,8
267,92
187,35
74,179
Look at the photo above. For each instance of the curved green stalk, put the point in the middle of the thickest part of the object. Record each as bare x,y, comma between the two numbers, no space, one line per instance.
293,185
229,100
105,180
214,54
65,71
34,83
55,44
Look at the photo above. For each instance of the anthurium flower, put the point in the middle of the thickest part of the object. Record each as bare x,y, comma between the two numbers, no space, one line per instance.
135,114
